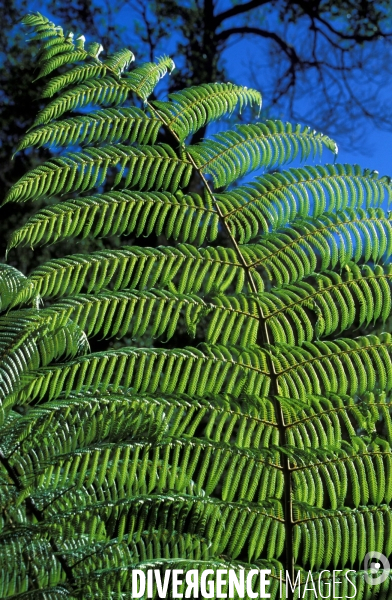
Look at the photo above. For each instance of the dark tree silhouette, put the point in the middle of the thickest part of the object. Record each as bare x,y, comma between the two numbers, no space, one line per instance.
313,60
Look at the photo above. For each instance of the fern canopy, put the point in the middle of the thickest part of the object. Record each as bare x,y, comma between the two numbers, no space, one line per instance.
264,441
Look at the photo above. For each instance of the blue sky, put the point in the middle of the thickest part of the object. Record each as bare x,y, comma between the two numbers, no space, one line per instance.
375,146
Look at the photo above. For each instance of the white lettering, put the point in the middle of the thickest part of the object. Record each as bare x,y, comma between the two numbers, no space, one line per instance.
137,574
336,583
238,584
297,582
162,589
176,583
326,584
351,583
220,582
263,583
203,589
313,588
249,590
150,583
192,580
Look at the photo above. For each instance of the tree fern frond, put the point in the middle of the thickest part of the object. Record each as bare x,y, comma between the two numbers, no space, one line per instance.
340,527
58,50
12,283
275,200
266,446
53,41
325,421
205,370
119,61
104,91
42,25
193,108
75,75
104,126
328,303
365,363
138,549
55,46
142,548
119,313
343,476
231,319
329,241
28,341
15,573
221,470
185,218
212,270
135,417
143,80
175,511
58,56
344,366
232,154
144,166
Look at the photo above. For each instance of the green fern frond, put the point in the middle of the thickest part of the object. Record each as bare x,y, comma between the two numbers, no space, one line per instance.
28,341
36,20
185,218
75,75
42,25
59,56
274,200
193,108
328,304
135,417
119,61
232,154
189,270
231,319
104,126
58,50
54,41
267,446
143,80
216,463
104,91
119,313
326,421
368,525
138,549
205,370
144,166
344,366
12,284
220,520
55,46
357,478
329,241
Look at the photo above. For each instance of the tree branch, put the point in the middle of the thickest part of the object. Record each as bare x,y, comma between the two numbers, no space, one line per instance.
355,37
287,49
239,9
